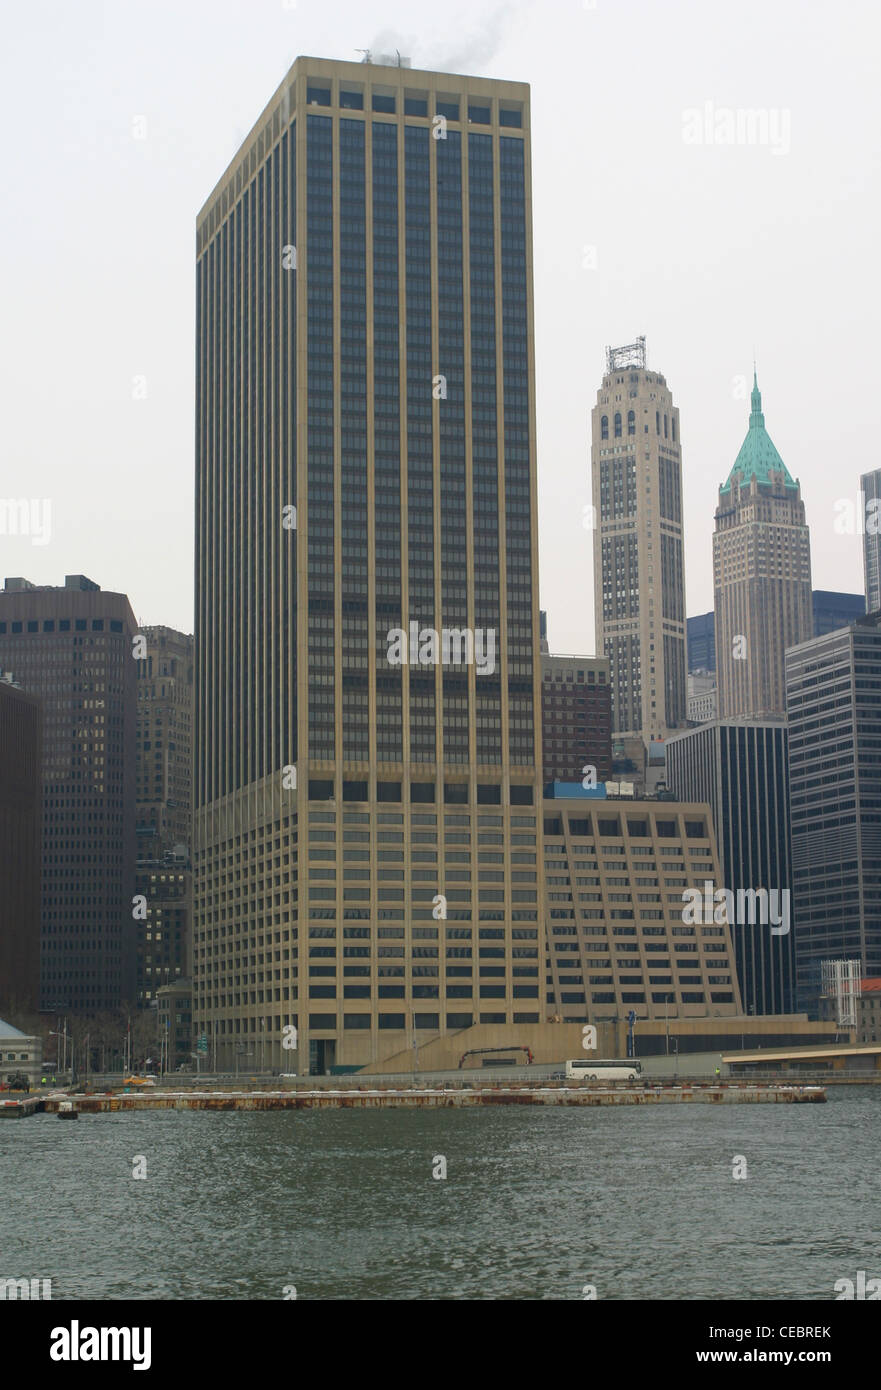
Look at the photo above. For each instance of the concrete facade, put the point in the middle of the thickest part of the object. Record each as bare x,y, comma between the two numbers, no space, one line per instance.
616,871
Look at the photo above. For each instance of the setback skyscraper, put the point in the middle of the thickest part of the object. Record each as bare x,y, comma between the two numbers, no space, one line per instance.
762,576
639,570
367,687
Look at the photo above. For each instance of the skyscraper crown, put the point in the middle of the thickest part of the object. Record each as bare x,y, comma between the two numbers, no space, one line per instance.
758,455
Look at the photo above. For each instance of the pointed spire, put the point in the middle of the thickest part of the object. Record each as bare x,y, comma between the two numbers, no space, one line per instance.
756,419
758,456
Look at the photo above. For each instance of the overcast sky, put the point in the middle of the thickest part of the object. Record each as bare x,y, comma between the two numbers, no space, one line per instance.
712,250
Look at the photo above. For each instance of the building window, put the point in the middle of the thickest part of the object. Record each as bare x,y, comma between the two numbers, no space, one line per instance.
631,422
617,424
604,427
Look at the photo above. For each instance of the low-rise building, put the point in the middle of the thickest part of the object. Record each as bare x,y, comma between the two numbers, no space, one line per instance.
20,1053
869,1012
617,871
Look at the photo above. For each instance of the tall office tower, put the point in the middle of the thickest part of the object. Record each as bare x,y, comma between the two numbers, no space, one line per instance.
701,636
835,795
164,768
21,728
739,767
870,490
621,935
576,717
367,686
833,610
639,570
164,771
72,647
762,576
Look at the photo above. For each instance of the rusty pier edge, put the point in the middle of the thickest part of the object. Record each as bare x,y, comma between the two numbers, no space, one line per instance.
429,1097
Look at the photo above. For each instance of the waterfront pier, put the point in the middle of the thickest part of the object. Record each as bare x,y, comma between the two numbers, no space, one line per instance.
438,1097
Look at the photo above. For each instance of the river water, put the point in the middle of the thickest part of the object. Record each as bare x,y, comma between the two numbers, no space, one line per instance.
640,1203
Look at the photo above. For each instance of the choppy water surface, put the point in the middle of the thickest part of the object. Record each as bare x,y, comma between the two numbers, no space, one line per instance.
537,1203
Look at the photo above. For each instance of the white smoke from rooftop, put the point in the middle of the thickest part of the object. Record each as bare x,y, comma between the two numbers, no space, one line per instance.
469,52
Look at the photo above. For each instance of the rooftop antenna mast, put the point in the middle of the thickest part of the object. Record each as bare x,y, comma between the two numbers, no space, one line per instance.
632,355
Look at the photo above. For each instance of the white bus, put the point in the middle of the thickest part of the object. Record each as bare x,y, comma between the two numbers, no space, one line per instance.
583,1069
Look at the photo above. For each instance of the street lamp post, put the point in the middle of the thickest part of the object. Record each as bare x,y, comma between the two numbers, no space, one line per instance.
63,1036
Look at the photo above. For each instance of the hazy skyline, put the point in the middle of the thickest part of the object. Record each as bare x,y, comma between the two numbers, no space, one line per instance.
121,119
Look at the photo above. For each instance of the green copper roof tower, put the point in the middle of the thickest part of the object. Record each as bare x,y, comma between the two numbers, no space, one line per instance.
761,575
758,454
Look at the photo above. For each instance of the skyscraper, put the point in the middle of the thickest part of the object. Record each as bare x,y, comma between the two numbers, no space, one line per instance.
762,576
639,570
72,647
739,767
701,636
870,490
367,688
833,610
576,718
164,769
835,796
21,724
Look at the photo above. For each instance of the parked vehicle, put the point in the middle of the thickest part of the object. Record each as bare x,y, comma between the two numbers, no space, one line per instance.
17,1081
584,1069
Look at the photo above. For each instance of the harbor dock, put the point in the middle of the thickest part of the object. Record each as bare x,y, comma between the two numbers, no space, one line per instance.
433,1097
18,1106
